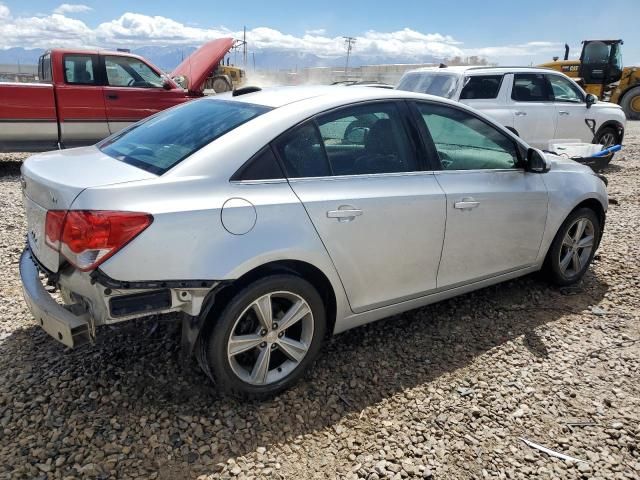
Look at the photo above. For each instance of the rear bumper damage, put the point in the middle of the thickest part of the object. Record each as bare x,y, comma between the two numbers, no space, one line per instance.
69,328
90,300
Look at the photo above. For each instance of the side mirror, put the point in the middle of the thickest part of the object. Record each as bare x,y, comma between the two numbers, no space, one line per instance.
536,161
166,84
591,99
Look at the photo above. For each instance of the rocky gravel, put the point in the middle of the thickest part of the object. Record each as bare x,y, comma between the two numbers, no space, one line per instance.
444,392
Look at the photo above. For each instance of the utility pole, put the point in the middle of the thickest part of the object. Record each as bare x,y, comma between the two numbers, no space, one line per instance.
349,42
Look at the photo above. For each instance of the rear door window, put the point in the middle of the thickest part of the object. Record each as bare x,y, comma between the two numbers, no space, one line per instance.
79,69
302,152
367,139
531,87
481,87
165,139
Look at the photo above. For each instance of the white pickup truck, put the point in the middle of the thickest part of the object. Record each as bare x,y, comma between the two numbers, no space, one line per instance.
538,104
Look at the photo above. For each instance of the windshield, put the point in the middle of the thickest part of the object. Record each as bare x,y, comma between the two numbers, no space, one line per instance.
162,141
439,84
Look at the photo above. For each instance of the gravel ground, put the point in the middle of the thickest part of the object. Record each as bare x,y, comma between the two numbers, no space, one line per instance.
441,392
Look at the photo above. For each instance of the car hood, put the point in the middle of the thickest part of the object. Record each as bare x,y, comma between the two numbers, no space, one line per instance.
197,66
559,163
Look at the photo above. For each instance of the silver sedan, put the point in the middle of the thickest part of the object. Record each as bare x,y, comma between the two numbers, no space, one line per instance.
272,218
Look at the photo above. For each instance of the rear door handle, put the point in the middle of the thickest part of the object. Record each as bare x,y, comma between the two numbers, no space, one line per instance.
563,112
466,204
345,213
521,114
112,96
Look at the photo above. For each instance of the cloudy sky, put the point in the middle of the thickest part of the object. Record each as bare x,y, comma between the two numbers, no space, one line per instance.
502,31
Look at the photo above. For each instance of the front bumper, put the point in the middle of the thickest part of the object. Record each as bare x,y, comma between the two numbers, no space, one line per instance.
71,329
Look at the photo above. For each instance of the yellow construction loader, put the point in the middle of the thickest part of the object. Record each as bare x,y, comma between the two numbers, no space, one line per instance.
600,72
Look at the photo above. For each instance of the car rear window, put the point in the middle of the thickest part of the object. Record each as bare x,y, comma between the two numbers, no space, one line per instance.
164,140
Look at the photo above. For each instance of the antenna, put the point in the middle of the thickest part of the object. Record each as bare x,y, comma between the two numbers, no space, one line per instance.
349,42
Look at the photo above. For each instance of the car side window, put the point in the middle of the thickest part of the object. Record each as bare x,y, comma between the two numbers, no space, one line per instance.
130,72
464,142
564,90
79,69
263,166
531,87
366,139
302,152
477,87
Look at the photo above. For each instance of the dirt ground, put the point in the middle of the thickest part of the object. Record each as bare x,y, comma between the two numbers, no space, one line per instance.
443,392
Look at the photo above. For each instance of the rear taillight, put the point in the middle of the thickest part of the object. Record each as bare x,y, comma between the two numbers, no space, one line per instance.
88,237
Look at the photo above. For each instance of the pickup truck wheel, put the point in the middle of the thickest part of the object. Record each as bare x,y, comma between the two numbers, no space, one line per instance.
266,337
631,104
607,137
573,247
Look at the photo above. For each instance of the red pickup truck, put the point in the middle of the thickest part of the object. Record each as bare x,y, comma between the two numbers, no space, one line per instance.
84,96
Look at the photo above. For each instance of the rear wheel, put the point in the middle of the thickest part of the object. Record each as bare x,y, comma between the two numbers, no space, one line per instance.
266,337
221,84
631,104
573,247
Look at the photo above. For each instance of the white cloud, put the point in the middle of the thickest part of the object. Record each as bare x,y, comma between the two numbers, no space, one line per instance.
4,11
72,8
134,30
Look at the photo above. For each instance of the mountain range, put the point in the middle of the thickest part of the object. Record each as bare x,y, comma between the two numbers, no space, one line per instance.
168,58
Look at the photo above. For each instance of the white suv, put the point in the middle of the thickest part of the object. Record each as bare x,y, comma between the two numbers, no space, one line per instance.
538,104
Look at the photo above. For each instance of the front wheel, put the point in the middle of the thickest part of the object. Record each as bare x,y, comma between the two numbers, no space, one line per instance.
631,103
607,137
266,337
573,247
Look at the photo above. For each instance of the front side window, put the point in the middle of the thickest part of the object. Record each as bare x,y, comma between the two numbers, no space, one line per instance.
165,139
130,72
464,142
530,87
564,90
480,87
439,84
366,139
79,69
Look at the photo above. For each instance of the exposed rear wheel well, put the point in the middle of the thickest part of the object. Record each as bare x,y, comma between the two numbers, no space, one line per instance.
294,267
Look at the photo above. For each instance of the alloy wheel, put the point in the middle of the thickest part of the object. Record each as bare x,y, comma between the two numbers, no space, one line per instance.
270,338
576,248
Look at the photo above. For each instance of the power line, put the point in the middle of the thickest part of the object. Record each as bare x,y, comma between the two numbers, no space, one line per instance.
349,42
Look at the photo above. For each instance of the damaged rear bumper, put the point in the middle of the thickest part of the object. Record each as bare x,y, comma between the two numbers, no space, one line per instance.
58,321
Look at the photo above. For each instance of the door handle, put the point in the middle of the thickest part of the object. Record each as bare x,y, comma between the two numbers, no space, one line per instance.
112,96
345,213
521,114
563,112
466,204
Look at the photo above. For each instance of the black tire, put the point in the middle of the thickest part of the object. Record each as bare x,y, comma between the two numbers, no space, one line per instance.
218,364
631,97
221,85
608,137
552,264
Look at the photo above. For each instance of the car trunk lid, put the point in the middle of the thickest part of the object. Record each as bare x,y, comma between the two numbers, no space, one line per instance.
53,180
197,66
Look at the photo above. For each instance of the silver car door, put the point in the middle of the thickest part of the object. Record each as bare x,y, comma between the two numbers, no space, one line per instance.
496,212
380,218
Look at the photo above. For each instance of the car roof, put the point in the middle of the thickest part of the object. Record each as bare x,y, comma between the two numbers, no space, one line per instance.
280,96
483,70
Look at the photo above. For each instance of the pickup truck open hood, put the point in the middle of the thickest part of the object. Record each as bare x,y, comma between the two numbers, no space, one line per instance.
197,66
